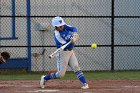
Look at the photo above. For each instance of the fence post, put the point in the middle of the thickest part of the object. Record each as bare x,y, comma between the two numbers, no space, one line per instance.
28,35
13,19
112,37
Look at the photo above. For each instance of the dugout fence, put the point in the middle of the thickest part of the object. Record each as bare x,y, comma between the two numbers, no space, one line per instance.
112,24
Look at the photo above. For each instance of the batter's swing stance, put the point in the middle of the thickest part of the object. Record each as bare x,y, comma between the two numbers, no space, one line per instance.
62,35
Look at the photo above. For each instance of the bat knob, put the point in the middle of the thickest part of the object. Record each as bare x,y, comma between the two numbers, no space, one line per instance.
50,56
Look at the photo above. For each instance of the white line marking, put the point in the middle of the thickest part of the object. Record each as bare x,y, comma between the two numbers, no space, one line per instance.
131,86
44,91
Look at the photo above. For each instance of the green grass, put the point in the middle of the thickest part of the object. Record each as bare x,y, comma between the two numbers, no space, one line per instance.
94,75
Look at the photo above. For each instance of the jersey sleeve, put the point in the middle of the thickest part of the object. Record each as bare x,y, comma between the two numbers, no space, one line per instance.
71,28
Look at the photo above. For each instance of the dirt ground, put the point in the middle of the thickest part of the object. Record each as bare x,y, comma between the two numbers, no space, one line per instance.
70,86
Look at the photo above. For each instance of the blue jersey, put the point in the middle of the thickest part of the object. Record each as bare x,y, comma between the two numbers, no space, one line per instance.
63,37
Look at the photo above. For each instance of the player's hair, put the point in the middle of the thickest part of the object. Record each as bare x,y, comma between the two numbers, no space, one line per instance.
5,55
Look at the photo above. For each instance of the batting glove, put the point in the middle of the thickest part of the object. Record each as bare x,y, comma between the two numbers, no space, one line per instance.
75,37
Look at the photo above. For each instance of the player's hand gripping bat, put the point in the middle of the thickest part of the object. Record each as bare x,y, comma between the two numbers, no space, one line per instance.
59,49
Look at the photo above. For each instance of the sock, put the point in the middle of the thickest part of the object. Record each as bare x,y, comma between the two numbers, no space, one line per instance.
80,76
54,75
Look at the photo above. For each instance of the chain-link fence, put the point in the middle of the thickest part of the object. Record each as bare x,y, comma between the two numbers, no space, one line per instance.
112,24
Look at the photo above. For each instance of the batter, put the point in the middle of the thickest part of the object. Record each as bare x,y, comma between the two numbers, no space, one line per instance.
62,35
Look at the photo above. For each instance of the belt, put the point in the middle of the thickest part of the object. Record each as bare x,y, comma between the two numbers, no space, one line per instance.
68,49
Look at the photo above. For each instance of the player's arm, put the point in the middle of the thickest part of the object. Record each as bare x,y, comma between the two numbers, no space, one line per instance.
75,34
71,28
75,37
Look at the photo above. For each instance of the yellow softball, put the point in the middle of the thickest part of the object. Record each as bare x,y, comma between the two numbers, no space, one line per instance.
94,45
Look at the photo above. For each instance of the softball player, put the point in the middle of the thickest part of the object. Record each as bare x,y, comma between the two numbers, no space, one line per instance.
62,35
